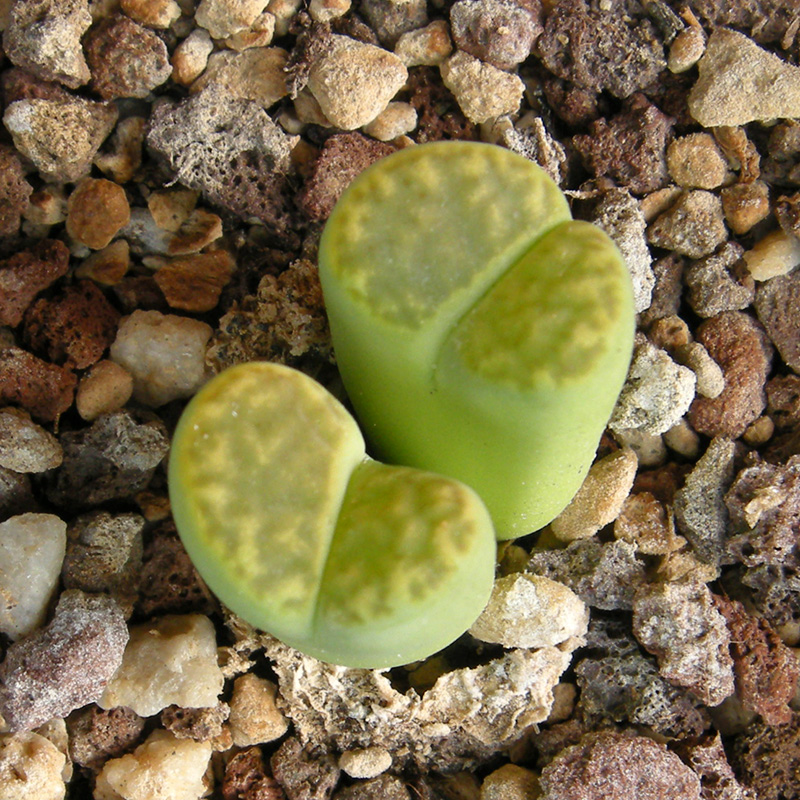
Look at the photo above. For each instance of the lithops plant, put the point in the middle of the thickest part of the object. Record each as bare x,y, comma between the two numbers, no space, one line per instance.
480,332
301,534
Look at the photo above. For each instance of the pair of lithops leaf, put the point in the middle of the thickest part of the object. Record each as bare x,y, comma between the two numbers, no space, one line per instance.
483,337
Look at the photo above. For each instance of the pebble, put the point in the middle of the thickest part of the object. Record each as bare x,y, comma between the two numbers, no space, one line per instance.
16,496
700,509
47,207
26,446
600,498
778,253
619,214
164,353
649,447
510,782
686,50
31,767
169,661
122,156
696,162
44,390
65,665
161,768
530,611
669,333
429,46
194,282
45,39
284,12
777,304
713,288
353,82
745,205
153,13
223,18
257,74
498,32
390,19
397,119
646,523
32,548
107,266
259,34
60,137
739,345
366,763
694,226
483,91
759,432
191,56
15,192
126,59
255,718
168,229
681,439
710,380
106,388
740,82
328,10
97,209
656,394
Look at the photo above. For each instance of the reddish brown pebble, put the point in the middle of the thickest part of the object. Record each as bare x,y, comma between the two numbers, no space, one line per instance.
612,766
45,390
96,211
745,204
74,328
303,774
783,401
246,778
107,266
766,669
26,274
706,756
768,759
778,307
14,191
738,344
194,282
342,158
96,735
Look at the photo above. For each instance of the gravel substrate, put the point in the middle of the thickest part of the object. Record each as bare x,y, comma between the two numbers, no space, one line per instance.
166,169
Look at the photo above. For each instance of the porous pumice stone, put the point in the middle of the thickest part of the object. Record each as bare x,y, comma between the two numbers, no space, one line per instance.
480,332
301,534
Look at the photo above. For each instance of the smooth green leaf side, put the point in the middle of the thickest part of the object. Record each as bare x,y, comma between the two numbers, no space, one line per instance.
410,568
258,469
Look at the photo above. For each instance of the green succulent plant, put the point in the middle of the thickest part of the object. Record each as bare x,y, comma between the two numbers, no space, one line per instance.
303,535
481,333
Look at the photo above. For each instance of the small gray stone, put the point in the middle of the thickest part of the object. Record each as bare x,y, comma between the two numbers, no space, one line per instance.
656,394
65,665
694,226
390,19
740,82
712,286
700,510
16,496
26,446
619,214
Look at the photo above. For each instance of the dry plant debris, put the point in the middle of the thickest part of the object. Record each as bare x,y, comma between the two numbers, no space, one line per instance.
165,171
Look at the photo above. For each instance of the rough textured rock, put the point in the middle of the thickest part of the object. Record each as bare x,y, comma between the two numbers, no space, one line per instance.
618,767
696,162
44,390
255,717
303,776
738,344
31,767
680,625
778,307
65,665
246,778
713,287
706,756
26,446
740,82
768,759
15,191
96,735
694,226
390,19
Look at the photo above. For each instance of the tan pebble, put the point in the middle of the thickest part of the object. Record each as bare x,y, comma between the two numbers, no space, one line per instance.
328,10
153,13
429,46
510,782
482,90
124,158
745,205
31,767
308,110
222,18
107,266
646,524
366,763
696,162
260,34
649,447
172,207
193,282
48,206
759,431
154,507
395,120
564,697
96,211
600,498
710,378
254,717
686,49
682,565
283,11
191,56
657,202
107,387
527,610
778,253
669,333
683,440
